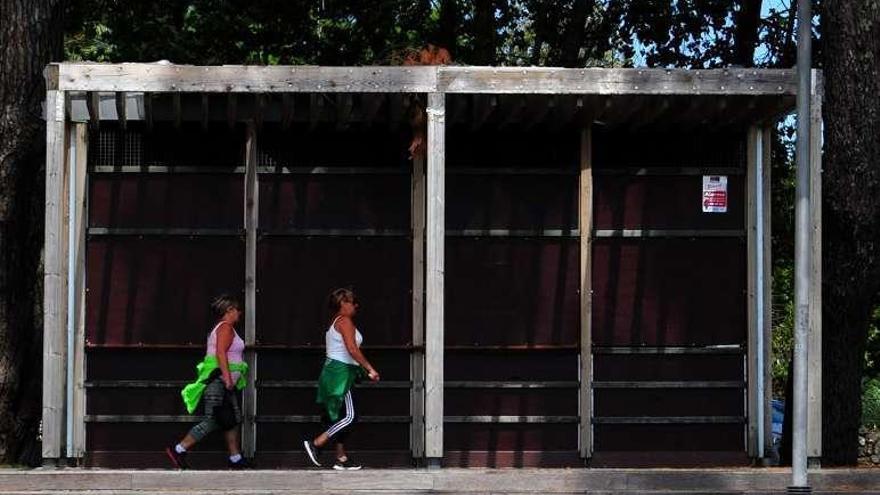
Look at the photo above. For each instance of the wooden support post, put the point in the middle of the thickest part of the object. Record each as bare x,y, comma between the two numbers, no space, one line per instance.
767,152
753,150
251,212
585,431
54,286
417,357
80,211
814,364
435,238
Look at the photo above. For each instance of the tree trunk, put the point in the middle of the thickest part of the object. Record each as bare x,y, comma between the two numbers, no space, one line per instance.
746,34
449,23
30,37
484,32
575,33
851,222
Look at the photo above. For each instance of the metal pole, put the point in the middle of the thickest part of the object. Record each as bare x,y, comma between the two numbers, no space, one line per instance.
802,254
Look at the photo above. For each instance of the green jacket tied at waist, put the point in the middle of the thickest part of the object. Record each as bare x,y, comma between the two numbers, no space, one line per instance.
335,381
192,393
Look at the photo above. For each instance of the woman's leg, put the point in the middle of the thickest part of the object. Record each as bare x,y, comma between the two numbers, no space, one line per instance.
233,435
212,397
340,426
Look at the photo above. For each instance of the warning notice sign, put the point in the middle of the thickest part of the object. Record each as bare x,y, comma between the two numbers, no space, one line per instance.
714,194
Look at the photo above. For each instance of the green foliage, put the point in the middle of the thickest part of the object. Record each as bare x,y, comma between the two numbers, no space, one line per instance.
871,403
695,33
872,349
783,323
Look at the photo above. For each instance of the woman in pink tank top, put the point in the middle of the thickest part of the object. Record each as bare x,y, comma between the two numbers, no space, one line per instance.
225,350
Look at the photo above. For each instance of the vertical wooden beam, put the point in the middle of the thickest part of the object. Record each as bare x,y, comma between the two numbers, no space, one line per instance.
585,432
767,152
251,215
54,287
417,357
752,158
80,210
435,239
814,364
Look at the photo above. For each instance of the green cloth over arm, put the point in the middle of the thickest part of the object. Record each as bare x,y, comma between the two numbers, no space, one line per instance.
192,393
335,381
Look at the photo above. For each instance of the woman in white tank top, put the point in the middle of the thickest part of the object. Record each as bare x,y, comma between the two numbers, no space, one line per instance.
345,363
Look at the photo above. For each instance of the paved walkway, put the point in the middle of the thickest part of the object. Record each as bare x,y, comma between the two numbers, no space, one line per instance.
445,481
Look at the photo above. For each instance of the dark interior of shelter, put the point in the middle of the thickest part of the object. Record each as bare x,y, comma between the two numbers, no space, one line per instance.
166,213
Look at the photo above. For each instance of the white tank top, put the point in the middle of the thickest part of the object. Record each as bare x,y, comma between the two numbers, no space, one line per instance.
336,346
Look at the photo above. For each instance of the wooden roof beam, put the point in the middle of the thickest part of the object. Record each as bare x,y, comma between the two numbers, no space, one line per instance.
427,79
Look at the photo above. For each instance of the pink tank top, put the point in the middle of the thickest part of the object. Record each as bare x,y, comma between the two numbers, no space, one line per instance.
235,354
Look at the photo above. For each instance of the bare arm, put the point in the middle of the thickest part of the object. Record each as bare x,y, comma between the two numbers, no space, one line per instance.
345,327
224,341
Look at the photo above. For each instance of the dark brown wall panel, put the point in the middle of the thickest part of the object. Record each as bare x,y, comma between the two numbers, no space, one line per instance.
510,402
667,367
511,291
136,401
335,201
305,364
274,437
144,437
143,363
158,290
669,292
511,202
511,148
510,365
301,146
517,437
613,149
295,275
166,200
368,401
663,202
668,402
628,437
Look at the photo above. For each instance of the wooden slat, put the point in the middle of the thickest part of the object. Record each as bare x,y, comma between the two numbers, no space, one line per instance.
78,447
251,212
246,79
510,80
417,358
585,401
434,266
668,420
768,289
54,294
752,150
541,80
723,349
814,363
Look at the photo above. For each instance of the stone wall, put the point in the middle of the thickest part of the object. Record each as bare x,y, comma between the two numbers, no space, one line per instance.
869,446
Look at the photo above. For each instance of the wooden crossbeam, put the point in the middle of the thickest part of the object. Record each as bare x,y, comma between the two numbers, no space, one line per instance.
443,79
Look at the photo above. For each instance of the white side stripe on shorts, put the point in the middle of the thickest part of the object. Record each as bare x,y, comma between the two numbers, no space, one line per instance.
347,420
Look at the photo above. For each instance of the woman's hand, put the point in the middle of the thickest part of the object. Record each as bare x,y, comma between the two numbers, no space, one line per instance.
374,375
227,381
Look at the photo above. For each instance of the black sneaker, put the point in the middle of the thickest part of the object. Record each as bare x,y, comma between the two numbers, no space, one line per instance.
178,459
312,452
346,465
241,464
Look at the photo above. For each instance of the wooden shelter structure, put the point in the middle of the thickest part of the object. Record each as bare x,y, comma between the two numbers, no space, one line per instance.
544,289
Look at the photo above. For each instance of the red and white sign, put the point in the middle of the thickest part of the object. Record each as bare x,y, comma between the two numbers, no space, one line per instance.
714,194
